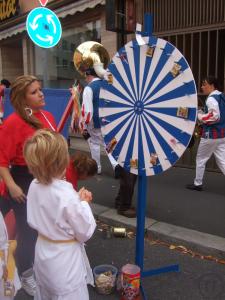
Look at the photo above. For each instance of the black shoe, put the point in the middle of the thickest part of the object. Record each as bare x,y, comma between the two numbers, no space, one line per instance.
194,187
129,213
118,171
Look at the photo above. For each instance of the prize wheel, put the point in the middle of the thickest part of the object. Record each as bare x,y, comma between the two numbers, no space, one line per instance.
148,106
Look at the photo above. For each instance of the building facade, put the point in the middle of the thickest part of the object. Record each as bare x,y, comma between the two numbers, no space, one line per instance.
195,27
81,21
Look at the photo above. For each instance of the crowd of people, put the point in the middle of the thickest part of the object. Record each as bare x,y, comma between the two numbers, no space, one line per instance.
34,127
47,258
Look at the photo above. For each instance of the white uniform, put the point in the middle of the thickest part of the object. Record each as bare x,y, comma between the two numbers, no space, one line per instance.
86,122
4,248
209,146
62,269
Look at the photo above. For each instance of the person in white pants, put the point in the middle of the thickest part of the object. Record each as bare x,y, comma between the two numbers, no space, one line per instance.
213,131
89,120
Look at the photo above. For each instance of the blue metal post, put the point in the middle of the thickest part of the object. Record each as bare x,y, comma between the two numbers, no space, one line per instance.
148,25
140,234
141,204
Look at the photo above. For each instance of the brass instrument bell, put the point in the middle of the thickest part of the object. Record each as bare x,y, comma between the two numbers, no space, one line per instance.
91,55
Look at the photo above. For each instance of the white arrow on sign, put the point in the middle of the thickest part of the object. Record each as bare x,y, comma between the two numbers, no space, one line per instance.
48,38
33,25
49,19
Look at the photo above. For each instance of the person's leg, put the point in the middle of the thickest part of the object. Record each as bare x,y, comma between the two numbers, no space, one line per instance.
95,152
219,153
95,141
123,200
26,236
5,205
205,151
26,239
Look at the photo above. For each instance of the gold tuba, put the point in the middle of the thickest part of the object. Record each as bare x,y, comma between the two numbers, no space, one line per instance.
91,55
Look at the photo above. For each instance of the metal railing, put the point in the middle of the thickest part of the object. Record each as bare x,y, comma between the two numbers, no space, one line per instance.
183,14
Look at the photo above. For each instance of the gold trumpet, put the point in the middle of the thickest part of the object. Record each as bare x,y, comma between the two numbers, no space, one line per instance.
91,55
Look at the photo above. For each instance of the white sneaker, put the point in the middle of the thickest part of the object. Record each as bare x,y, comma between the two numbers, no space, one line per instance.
28,282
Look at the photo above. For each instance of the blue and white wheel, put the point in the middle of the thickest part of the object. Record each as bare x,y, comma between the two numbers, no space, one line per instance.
148,106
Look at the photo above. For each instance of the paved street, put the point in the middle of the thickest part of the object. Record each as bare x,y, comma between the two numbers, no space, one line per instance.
198,279
167,198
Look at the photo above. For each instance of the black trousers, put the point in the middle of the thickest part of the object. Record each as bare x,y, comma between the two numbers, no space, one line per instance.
124,197
26,236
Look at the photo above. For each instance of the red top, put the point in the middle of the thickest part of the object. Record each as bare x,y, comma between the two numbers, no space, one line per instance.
71,175
13,134
2,88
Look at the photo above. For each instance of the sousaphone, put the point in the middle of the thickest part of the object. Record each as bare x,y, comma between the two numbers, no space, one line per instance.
91,55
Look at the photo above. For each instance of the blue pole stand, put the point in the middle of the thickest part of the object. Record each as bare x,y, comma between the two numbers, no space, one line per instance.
141,205
140,236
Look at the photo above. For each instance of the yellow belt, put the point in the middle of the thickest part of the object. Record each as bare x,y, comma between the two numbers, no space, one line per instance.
45,238
11,266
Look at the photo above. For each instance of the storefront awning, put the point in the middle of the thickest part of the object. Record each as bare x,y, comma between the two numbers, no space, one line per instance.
79,6
12,31
62,12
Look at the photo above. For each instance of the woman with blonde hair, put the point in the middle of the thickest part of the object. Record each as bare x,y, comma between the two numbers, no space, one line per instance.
63,219
28,101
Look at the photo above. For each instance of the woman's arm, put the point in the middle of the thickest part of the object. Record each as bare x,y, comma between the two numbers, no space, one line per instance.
15,191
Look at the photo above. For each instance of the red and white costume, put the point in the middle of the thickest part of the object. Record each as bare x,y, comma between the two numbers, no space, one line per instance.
86,122
213,138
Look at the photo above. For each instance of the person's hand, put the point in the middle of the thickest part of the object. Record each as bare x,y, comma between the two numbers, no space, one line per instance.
85,195
85,134
17,193
73,93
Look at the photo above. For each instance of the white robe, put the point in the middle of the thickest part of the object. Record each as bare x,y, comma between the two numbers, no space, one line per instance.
57,212
4,247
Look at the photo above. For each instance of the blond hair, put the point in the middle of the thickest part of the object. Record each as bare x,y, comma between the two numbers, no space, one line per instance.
18,99
46,154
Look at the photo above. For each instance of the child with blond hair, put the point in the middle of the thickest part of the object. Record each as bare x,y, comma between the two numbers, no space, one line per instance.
63,219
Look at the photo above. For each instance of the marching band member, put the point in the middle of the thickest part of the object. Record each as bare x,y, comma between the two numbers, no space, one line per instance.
89,121
213,131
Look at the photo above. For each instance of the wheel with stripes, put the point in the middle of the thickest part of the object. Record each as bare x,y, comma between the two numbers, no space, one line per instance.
148,106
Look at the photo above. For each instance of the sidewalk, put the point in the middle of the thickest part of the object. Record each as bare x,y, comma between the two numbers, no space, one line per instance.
173,213
198,279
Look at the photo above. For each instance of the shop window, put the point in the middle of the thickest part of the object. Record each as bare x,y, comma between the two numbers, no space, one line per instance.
54,66
64,44
72,46
65,64
71,65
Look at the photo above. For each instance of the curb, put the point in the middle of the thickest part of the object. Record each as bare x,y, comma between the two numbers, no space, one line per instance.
198,241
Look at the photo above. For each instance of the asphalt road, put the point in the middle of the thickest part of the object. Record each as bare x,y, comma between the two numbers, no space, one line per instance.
169,201
198,278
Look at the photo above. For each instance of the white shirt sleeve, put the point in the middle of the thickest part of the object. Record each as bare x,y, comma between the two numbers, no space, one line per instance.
213,114
81,219
87,107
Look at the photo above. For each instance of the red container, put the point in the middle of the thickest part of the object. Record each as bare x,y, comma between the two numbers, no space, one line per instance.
130,282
